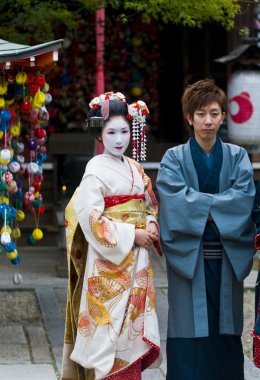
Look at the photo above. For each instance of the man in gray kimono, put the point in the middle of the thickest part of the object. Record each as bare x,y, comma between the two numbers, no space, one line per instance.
206,191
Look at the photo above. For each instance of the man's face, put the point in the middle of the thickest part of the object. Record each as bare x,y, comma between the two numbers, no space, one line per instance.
206,121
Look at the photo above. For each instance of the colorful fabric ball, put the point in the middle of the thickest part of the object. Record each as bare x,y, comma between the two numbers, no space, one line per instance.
17,279
5,238
10,247
25,106
12,255
15,130
32,144
21,77
37,234
20,216
14,167
16,261
16,233
30,240
37,203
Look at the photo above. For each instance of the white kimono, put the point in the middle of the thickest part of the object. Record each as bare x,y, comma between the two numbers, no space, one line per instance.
117,330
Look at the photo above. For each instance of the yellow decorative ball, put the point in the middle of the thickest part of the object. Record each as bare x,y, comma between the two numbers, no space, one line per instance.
12,255
46,87
37,234
20,216
137,41
136,91
3,88
21,77
5,229
16,233
1,134
4,162
9,102
15,130
4,200
2,102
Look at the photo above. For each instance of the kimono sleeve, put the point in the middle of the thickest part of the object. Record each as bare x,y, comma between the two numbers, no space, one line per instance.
183,215
113,240
231,211
151,210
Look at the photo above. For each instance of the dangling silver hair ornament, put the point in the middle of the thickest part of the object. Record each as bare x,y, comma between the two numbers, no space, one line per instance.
137,113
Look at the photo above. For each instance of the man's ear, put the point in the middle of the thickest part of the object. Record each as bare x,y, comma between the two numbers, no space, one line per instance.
189,119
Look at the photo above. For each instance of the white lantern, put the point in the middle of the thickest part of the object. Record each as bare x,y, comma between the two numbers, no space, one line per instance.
244,107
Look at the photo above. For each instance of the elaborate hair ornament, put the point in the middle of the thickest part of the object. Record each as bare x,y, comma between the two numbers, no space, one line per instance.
98,100
137,113
102,101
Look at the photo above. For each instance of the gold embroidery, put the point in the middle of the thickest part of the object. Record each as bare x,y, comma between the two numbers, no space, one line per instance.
101,229
103,288
119,273
97,311
138,298
150,288
118,364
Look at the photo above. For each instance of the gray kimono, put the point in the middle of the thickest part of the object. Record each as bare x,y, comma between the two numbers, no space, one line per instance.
183,216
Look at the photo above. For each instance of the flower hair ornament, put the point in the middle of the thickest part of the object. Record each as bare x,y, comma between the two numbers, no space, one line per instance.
103,102
137,113
96,102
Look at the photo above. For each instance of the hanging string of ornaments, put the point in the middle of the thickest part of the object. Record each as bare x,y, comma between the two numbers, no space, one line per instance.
137,113
23,116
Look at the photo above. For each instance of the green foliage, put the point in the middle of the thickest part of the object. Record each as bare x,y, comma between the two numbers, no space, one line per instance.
22,21
192,13
25,20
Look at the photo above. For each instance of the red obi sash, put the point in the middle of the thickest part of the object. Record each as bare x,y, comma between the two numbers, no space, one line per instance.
119,199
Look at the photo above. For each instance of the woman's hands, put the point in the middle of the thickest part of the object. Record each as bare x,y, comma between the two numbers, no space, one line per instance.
145,238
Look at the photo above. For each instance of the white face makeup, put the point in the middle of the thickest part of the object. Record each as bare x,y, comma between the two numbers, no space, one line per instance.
116,136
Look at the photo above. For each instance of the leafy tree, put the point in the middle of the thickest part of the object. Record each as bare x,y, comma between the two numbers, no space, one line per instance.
27,21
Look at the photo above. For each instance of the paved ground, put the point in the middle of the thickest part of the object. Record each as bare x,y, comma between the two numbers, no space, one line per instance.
32,317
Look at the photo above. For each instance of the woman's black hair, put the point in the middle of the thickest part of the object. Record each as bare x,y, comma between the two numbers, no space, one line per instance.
116,108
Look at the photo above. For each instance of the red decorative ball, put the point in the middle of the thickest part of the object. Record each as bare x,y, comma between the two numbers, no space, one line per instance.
25,106
33,88
40,133
39,80
37,186
30,77
42,209
43,149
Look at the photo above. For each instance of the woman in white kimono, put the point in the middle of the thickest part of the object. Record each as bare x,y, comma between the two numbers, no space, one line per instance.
111,326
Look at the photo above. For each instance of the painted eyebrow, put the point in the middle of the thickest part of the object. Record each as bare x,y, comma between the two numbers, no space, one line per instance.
114,129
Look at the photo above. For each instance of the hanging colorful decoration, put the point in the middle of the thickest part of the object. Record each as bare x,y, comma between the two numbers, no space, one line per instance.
24,94
131,56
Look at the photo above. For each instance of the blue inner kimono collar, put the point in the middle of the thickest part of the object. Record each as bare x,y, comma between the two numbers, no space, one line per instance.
207,167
